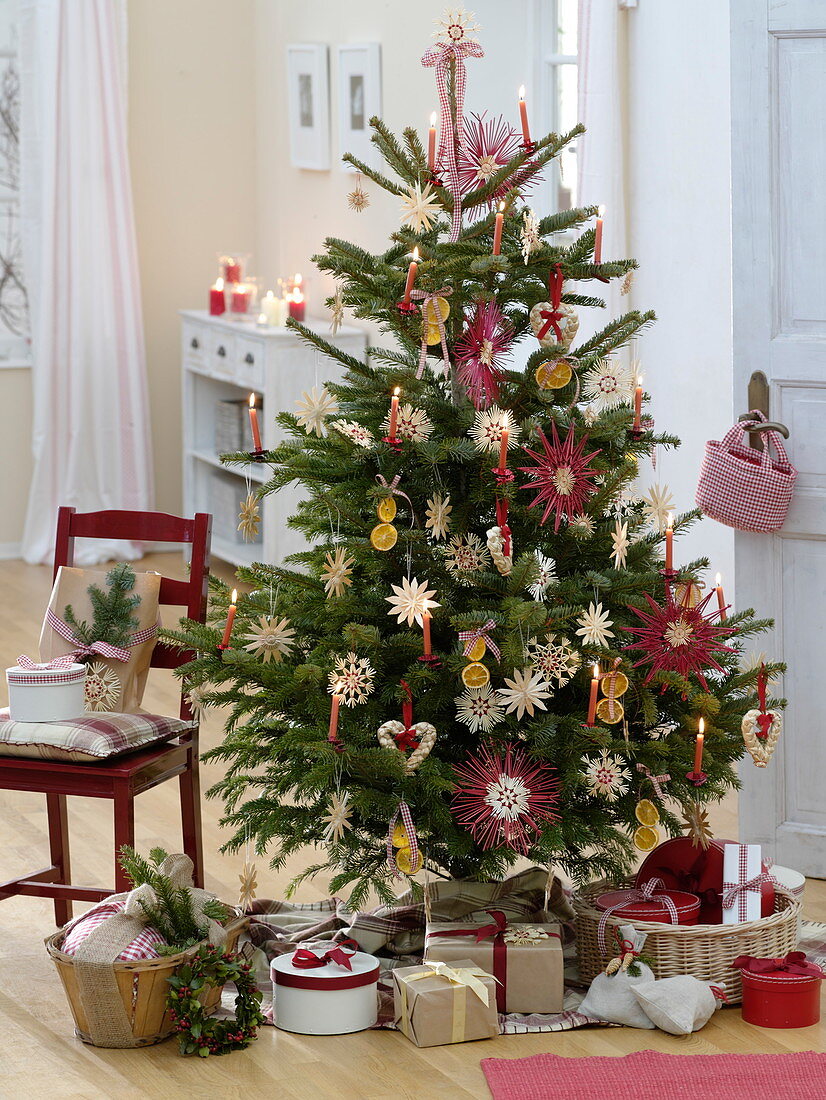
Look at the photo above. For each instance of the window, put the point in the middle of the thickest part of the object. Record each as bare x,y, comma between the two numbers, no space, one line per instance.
559,79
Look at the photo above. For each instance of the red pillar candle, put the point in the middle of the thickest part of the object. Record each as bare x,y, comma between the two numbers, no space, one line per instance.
426,617
411,277
598,236
721,599
232,270
497,230
698,747
592,702
503,444
256,434
669,544
217,300
431,144
638,404
230,619
394,415
297,305
239,300
523,115
333,734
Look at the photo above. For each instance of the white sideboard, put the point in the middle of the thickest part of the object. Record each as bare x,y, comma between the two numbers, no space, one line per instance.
222,363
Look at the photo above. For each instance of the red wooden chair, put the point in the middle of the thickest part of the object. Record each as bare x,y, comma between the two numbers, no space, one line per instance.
124,776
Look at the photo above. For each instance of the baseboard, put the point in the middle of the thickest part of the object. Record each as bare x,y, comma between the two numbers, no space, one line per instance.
9,550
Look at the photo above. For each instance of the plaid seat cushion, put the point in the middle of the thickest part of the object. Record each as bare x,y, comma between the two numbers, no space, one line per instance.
95,737
143,946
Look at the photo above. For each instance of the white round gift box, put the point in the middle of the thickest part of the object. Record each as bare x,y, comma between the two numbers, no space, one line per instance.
46,694
791,880
328,999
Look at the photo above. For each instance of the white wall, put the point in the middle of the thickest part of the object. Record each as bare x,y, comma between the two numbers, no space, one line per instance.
679,218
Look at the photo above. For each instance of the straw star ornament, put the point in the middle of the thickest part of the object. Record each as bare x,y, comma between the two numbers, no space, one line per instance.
313,408
420,208
338,817
339,573
249,517
411,600
437,515
271,639
595,625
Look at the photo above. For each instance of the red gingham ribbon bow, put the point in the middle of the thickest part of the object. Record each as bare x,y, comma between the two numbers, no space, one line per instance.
734,891
304,959
644,893
425,296
103,649
656,780
393,491
56,662
440,57
552,316
471,637
611,677
403,811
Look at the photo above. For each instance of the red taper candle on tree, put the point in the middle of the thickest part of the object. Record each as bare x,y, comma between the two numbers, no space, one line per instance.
497,230
698,747
431,144
598,236
230,619
411,277
638,404
523,116
426,617
394,415
669,544
503,442
721,599
592,702
256,434
333,734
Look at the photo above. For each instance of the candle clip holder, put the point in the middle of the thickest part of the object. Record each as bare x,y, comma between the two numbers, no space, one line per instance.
697,778
670,575
394,442
529,147
431,660
407,307
222,649
257,455
335,743
637,433
502,476
434,181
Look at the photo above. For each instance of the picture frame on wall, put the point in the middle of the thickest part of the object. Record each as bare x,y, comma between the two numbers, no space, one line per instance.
359,99
308,99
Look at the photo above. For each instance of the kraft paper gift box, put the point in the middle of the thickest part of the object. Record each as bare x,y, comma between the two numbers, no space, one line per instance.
526,959
743,879
440,1004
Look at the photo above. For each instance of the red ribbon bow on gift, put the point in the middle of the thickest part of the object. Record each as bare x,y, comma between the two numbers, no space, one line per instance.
471,637
764,718
553,316
494,931
793,963
341,953
732,890
450,136
57,662
103,649
644,893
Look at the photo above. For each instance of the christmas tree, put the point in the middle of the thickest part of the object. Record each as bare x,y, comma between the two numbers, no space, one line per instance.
482,654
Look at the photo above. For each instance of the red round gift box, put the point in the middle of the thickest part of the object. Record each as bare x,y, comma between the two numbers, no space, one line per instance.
781,1000
687,906
682,865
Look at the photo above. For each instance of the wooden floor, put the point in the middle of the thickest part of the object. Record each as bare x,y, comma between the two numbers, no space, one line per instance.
39,1056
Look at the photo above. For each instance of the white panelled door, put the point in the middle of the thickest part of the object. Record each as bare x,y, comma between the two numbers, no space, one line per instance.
778,108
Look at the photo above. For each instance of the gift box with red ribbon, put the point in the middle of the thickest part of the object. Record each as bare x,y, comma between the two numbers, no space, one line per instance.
780,992
650,903
525,959
683,865
326,989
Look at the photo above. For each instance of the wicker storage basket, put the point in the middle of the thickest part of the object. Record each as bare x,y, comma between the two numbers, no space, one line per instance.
143,987
704,950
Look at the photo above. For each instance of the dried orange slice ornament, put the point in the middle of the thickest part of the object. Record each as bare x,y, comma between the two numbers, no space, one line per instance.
477,650
553,376
620,683
647,813
604,712
387,509
646,838
475,675
383,536
404,861
400,839
430,318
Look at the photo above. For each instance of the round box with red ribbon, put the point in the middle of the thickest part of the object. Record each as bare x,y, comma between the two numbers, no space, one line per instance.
325,989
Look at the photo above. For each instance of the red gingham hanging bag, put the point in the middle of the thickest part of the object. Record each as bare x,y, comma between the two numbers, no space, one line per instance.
744,488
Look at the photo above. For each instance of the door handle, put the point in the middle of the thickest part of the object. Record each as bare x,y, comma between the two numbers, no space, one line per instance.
765,426
758,398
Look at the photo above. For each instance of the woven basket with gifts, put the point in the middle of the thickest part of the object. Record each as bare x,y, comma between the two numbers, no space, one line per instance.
115,961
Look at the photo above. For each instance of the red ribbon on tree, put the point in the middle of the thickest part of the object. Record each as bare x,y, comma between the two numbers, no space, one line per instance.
441,57
793,963
553,316
471,637
408,738
656,780
502,524
764,718
611,694
340,953
494,931
425,296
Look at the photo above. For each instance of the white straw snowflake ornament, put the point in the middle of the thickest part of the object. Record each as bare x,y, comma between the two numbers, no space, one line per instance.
480,709
411,601
546,577
525,691
336,312
620,542
465,554
420,208
608,385
595,625
411,424
487,427
271,639
437,515
338,817
529,235
362,437
102,689
249,517
352,679
606,776
658,503
338,572
555,659
313,408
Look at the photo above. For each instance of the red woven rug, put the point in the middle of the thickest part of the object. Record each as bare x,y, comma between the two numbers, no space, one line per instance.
652,1076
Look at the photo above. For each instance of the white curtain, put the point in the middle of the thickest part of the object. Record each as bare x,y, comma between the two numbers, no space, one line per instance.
600,151
91,424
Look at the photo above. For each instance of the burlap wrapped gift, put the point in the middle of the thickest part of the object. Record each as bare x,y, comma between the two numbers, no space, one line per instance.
526,959
115,678
437,1004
